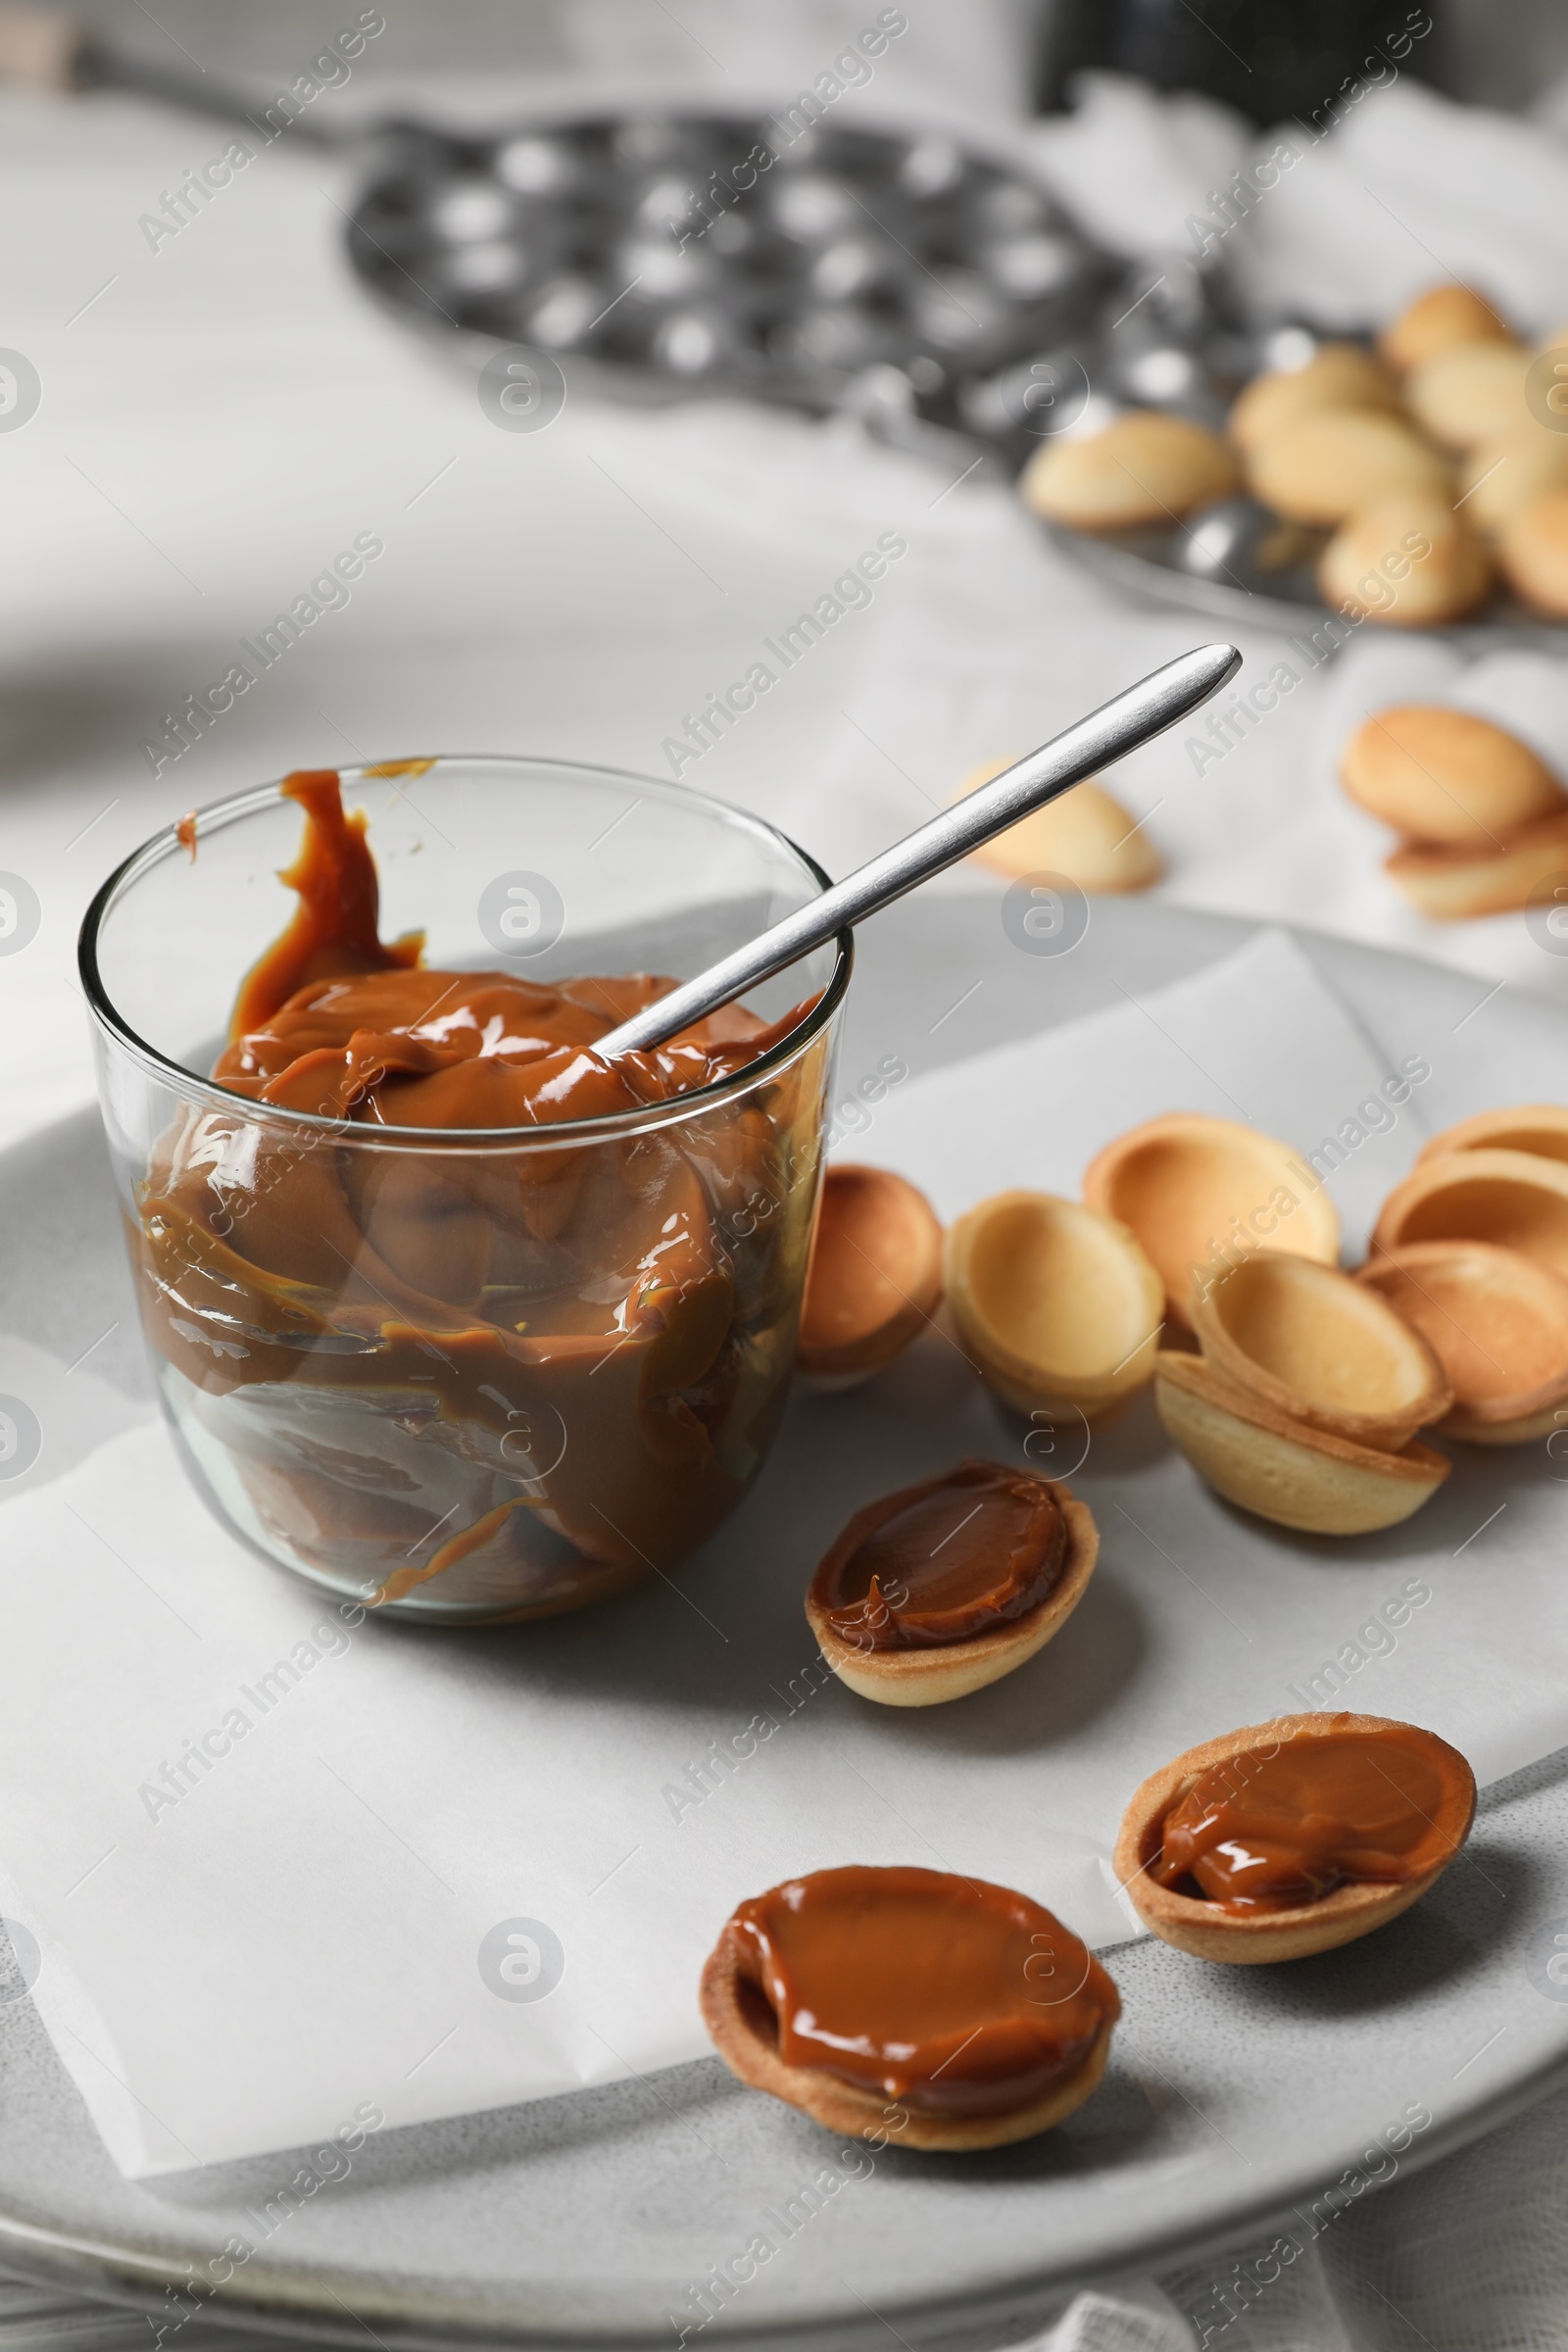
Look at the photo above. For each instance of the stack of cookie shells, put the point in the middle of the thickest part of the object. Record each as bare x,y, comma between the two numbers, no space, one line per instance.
1299,1392
1418,468
1472,1250
1483,821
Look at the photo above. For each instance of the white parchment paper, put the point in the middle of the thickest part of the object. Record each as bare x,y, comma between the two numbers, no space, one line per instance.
279,1866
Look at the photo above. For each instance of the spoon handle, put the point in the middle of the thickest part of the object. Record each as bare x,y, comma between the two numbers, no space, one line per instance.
1110,733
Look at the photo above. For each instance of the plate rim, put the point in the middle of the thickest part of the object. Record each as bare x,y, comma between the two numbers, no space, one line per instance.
427,2322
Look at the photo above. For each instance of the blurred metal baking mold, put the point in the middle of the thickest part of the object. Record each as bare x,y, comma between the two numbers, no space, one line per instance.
825,267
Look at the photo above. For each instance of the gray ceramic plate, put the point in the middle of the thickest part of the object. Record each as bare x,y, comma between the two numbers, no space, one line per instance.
586,2221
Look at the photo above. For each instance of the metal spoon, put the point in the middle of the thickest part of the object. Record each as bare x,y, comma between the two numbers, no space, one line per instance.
1110,733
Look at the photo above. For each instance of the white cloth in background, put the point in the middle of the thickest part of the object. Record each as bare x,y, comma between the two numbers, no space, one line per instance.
1410,189
1415,189
1134,163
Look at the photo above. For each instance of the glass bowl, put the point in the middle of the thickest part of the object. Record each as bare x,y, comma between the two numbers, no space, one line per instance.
467,1373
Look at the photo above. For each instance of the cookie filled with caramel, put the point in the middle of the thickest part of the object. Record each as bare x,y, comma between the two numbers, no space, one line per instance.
938,1589
1291,1837
938,2012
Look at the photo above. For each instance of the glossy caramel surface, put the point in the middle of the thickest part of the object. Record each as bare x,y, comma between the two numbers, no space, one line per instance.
332,1022
1284,1824
944,1561
953,1995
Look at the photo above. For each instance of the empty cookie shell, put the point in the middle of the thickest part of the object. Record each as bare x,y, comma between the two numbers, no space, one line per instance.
1470,393
875,1278
1515,1199
943,1587
1443,775
1087,835
1539,1127
1283,1469
1321,1348
1293,1803
1407,562
1142,468
1339,376
1057,1303
1533,549
1332,463
1200,1192
1435,322
1454,885
1498,1324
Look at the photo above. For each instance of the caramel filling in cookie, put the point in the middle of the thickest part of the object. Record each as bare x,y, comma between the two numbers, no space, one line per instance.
1277,1827
942,1562
952,1995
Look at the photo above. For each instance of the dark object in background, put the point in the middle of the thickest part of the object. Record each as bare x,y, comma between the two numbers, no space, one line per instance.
1269,58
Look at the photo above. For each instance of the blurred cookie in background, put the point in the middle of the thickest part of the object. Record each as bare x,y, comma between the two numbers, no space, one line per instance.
1533,547
1143,467
1482,819
1329,464
1500,477
1087,835
1441,775
1338,375
1437,320
1469,393
1409,561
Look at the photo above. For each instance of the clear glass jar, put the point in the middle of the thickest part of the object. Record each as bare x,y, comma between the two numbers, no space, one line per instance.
484,1373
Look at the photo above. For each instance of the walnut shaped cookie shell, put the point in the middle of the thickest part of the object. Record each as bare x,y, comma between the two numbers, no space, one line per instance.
1195,1191
1538,1127
1208,1931
1517,1200
1447,777
1442,317
1282,1469
875,1277
1087,835
1057,1303
1497,1321
1322,1349
1450,883
1339,376
1142,469
930,1678
744,2032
